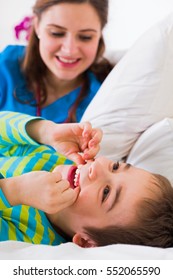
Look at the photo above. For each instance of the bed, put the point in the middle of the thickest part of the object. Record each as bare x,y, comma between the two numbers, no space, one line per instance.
135,112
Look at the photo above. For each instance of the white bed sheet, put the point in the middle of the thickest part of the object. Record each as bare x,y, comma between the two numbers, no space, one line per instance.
15,250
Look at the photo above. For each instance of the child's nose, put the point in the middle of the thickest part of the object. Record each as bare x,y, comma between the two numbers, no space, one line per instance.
92,171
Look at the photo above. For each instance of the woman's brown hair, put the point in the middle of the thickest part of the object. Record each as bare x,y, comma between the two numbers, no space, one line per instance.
35,70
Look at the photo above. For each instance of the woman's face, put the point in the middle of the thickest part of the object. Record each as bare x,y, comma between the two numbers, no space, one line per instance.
108,194
69,36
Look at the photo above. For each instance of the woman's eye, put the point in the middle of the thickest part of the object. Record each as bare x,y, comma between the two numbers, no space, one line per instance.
57,34
115,166
105,193
85,38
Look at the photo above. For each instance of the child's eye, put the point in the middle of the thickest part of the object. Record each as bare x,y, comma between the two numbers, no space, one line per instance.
115,166
105,193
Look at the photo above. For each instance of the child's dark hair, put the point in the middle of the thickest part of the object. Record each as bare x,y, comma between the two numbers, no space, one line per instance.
153,225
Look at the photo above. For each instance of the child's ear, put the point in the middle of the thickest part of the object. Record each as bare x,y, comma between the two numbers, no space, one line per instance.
83,240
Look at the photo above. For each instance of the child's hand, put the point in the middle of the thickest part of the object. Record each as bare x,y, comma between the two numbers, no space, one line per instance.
77,141
40,189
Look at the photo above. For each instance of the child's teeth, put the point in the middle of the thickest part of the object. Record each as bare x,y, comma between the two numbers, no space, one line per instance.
76,176
77,171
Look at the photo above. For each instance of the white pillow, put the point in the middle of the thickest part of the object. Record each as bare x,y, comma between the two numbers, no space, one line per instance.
137,93
153,151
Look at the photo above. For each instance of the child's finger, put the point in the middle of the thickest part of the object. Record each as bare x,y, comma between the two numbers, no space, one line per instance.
97,135
91,153
82,129
92,140
69,196
77,158
62,186
87,129
57,175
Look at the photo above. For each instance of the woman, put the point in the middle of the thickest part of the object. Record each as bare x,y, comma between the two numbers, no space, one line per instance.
59,72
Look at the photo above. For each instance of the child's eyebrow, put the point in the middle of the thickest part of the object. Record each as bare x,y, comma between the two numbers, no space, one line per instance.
117,195
127,166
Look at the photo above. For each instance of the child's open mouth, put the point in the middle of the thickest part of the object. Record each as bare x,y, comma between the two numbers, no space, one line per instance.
73,177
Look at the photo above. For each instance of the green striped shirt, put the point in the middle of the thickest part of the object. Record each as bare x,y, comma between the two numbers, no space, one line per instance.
20,154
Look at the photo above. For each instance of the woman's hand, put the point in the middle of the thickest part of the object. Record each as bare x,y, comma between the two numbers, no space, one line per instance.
77,141
40,189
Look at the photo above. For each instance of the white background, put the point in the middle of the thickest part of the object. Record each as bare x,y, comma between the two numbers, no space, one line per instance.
128,19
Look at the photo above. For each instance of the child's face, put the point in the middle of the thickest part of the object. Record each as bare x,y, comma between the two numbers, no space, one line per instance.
108,195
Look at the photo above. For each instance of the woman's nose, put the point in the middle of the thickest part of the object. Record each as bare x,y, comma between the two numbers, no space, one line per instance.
69,45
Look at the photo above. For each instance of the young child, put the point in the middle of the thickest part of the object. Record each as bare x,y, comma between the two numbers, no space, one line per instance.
95,203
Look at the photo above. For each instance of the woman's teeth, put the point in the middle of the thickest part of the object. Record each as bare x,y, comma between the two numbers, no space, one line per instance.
65,60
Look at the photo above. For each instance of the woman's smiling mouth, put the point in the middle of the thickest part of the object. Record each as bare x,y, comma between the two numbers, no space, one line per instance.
67,61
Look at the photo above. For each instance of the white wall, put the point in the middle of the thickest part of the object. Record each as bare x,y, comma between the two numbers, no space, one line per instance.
128,19
11,13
